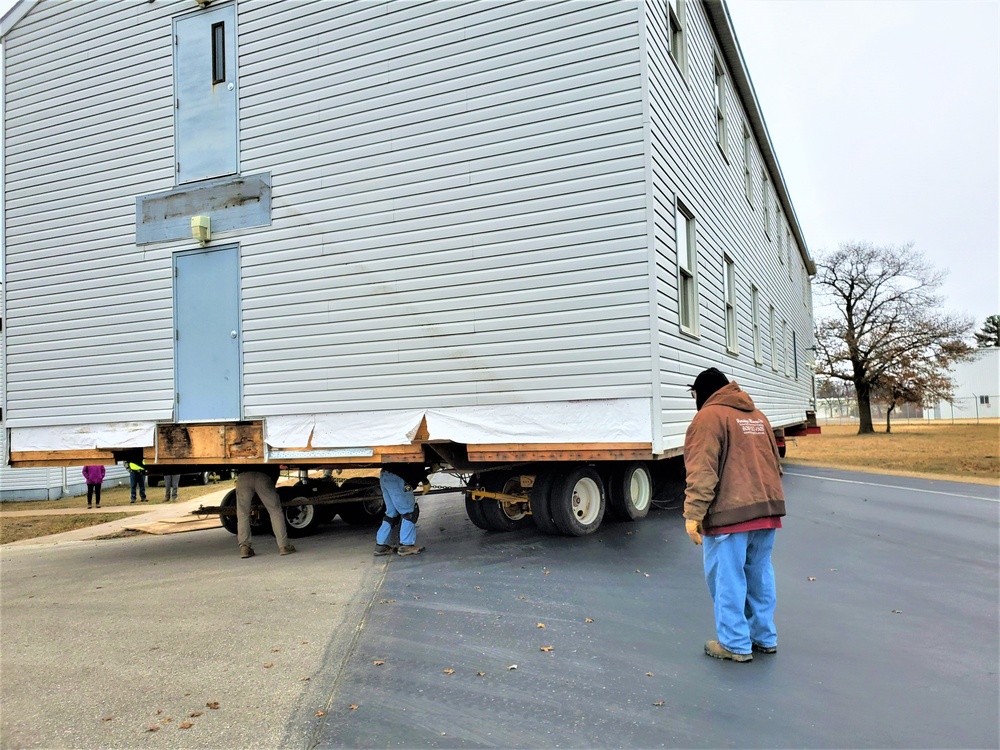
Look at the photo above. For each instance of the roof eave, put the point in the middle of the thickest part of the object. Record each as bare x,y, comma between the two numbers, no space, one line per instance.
722,25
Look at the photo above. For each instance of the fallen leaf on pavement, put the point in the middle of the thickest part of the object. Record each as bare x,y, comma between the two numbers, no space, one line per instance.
212,704
658,703
154,728
268,665
275,650
811,578
649,674
480,674
387,601
588,620
540,625
185,725
449,671
321,713
107,718
305,679
512,666
353,706
378,662
545,648
195,714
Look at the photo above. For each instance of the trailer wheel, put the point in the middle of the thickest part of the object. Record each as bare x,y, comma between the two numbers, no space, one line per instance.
541,501
577,502
367,512
474,508
630,491
502,516
781,451
229,521
300,520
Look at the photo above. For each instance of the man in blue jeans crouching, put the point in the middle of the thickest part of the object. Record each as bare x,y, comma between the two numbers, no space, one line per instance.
734,502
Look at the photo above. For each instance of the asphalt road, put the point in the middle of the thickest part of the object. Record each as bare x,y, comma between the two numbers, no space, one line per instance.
889,593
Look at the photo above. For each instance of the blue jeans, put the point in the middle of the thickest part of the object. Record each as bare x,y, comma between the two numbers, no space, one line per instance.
398,502
136,479
741,581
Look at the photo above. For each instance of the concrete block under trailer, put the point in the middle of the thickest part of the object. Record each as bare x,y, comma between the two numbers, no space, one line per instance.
560,489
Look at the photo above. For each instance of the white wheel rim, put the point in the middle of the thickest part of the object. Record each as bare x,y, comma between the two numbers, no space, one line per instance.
586,501
640,489
299,517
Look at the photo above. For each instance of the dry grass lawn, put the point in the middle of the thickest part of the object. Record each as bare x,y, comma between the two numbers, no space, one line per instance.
32,527
967,452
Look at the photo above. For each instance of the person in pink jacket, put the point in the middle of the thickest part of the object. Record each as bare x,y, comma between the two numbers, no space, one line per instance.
94,476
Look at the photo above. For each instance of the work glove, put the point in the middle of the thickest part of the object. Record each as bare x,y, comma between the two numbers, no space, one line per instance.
693,529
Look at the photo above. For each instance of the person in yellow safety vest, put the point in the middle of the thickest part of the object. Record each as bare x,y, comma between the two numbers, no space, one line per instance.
137,478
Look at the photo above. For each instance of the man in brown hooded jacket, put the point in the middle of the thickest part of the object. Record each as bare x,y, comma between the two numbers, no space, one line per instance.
734,498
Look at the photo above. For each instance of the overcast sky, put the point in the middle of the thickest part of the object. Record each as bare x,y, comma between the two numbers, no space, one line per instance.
883,114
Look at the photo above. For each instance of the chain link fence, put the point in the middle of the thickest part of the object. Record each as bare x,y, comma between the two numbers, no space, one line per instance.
976,409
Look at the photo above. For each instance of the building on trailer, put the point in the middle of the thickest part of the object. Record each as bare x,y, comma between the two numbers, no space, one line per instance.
43,483
356,233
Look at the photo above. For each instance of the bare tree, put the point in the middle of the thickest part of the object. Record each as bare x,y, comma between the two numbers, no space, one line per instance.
989,334
918,380
887,320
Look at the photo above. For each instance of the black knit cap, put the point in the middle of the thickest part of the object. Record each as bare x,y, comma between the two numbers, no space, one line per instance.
707,383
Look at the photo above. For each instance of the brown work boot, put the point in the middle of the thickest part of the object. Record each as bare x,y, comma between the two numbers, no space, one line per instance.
718,651
764,649
246,551
409,549
384,549
286,550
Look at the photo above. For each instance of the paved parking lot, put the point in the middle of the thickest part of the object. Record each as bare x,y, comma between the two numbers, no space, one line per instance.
888,634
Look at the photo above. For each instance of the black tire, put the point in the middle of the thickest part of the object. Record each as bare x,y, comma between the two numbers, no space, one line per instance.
300,520
152,481
578,502
629,490
781,450
474,508
501,516
203,477
368,509
229,521
541,493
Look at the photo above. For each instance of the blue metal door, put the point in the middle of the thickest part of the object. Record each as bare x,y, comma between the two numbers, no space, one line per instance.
207,335
205,122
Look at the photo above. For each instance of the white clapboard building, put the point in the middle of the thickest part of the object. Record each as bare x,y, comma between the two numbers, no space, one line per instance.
44,482
357,222
977,389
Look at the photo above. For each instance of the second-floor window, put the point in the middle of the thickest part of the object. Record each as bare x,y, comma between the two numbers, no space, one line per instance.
729,294
755,317
720,104
675,26
687,271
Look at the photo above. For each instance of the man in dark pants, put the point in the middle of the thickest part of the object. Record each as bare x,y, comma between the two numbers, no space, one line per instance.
137,479
734,502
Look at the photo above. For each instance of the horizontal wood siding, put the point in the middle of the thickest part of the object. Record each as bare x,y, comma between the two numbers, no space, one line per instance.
89,319
458,207
459,219
690,166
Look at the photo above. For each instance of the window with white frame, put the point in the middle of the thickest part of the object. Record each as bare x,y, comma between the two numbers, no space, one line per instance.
675,25
729,295
795,354
778,223
766,190
747,180
755,317
788,250
687,271
784,344
772,332
720,104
